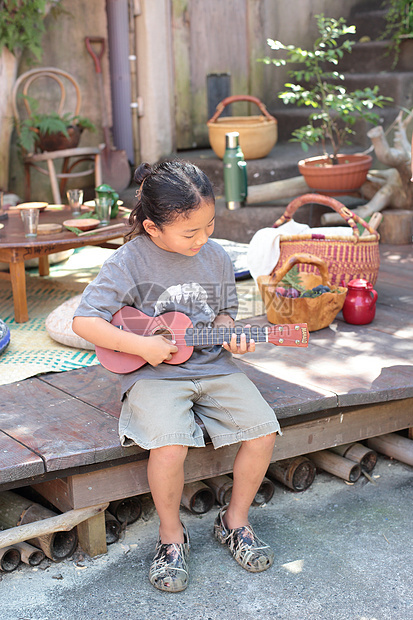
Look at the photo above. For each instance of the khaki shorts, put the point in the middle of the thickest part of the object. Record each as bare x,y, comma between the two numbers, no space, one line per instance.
160,412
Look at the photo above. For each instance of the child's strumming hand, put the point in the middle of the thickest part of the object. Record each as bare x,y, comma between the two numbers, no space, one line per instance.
157,349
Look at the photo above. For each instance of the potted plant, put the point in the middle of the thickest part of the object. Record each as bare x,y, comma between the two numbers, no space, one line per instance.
51,131
334,110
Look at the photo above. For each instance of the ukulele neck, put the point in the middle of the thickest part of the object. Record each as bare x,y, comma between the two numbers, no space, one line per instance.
209,336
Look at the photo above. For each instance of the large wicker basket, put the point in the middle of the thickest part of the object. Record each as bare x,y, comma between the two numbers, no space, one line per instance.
347,257
317,312
257,134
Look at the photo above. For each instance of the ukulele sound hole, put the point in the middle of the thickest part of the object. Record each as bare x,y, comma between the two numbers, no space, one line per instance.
163,331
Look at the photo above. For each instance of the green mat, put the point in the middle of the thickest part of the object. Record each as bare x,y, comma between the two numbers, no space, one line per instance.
31,350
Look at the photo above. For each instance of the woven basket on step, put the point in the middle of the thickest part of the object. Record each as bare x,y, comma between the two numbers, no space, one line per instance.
317,312
257,134
347,257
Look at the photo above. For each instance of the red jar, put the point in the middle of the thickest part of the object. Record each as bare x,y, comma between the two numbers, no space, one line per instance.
360,304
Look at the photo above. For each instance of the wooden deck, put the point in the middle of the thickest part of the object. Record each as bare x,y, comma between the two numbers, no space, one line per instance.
58,431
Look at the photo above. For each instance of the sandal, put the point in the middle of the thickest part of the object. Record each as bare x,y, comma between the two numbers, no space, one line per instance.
169,568
246,548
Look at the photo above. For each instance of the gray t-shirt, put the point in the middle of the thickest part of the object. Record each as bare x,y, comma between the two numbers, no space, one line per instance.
144,276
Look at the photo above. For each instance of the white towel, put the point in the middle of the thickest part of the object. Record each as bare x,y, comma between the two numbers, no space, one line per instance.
264,248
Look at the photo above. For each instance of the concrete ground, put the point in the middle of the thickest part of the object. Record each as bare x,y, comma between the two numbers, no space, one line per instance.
343,552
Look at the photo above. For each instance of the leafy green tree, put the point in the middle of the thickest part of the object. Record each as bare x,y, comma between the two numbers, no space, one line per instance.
317,84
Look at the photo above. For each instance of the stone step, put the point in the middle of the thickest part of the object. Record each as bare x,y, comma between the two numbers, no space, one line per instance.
396,84
369,19
280,163
290,118
373,57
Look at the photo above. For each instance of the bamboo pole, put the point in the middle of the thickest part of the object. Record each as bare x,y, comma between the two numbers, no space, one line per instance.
57,545
335,464
127,510
222,488
264,493
61,523
394,445
358,453
29,554
9,559
113,528
297,473
197,497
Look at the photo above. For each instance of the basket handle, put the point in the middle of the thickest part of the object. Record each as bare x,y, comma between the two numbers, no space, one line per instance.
222,104
308,259
351,218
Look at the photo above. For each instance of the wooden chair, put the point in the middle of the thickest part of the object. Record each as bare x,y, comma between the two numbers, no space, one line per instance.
54,83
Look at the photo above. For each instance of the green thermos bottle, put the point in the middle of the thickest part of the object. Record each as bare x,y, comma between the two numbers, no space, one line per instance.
235,172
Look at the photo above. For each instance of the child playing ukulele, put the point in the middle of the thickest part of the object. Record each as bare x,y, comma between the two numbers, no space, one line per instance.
171,264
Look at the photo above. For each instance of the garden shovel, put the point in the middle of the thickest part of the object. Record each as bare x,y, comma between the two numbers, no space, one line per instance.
116,170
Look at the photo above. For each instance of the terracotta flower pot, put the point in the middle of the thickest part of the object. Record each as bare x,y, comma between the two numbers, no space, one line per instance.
345,177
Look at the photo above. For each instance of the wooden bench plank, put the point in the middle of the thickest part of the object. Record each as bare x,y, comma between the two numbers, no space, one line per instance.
396,323
383,382
64,431
93,385
343,425
286,397
100,388
16,461
345,359
392,293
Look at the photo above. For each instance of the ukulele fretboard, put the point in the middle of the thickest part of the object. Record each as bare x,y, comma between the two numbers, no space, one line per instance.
208,336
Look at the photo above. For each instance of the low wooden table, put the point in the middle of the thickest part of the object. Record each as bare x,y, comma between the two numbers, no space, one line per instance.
15,248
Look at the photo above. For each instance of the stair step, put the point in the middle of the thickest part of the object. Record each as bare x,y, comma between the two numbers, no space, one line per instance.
369,22
372,56
280,163
290,119
377,57
396,84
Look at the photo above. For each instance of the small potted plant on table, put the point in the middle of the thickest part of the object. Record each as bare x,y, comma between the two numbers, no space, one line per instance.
334,110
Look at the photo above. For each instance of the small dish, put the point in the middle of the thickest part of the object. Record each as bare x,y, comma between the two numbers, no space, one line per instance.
31,205
49,228
82,224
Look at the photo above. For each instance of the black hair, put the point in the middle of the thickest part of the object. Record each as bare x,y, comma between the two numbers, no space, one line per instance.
168,189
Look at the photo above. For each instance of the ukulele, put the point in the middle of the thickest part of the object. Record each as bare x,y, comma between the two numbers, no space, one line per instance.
178,327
